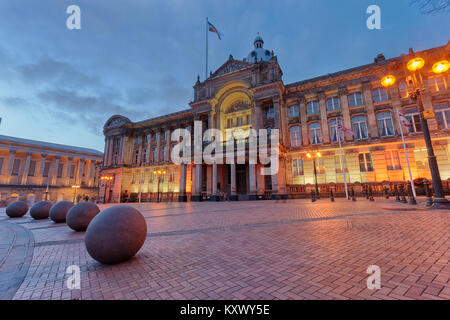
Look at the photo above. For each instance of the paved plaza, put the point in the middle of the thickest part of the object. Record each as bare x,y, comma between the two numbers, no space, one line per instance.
242,250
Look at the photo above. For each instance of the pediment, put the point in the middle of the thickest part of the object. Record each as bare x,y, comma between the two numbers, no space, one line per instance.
231,66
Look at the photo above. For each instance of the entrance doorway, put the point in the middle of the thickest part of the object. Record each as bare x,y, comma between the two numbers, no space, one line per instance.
241,179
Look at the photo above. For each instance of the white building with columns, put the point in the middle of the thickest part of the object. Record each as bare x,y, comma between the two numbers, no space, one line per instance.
35,170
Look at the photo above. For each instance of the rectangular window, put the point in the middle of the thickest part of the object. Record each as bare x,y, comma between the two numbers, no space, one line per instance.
270,113
359,127
293,111
116,149
437,83
421,158
414,121
403,90
72,171
249,119
240,121
320,166
296,136
155,155
379,95
393,160
312,107
335,133
16,167
442,111
46,169
60,170
355,100
365,162
32,168
385,127
333,104
338,163
165,153
315,133
1,165
297,167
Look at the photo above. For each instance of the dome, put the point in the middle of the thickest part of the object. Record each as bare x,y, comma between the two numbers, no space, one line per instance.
259,53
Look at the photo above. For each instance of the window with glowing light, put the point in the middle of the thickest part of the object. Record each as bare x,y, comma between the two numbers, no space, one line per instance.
437,83
338,163
297,167
393,160
403,89
365,162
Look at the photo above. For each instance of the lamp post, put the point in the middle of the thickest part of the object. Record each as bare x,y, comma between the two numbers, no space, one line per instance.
106,180
416,88
314,156
159,173
75,188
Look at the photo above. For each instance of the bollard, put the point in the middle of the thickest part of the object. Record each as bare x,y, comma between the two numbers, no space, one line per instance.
331,195
371,194
353,194
397,196
313,198
386,193
428,193
412,200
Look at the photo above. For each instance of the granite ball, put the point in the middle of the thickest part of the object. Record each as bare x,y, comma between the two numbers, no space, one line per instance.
40,210
16,209
59,211
116,234
79,216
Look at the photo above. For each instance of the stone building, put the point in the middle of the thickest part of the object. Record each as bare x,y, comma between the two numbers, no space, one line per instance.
250,93
34,170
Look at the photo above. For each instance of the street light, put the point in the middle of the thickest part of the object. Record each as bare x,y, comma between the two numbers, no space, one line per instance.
416,89
106,180
159,173
313,156
75,188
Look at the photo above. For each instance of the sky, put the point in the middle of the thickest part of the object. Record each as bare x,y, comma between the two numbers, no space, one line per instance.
141,58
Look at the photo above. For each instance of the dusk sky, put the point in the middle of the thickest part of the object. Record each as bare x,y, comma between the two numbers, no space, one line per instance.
140,58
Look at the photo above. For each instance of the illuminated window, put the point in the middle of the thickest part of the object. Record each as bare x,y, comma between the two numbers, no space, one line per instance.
421,158
1,165
315,133
338,163
442,111
385,126
293,111
359,127
334,131
365,162
403,89
296,136
333,104
297,167
355,100
393,160
437,83
312,107
320,166
379,95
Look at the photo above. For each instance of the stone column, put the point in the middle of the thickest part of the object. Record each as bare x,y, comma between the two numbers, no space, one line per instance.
323,118
168,145
69,166
55,172
182,195
347,121
303,120
252,178
371,118
123,149
25,169
10,165
197,196
274,179
396,105
149,148
41,168
284,130
158,148
277,111
91,174
233,195
139,161
80,173
214,182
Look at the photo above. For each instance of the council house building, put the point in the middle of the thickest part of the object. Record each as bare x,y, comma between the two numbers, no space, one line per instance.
250,93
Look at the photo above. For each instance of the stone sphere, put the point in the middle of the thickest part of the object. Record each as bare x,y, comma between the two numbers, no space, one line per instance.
40,210
116,234
16,209
59,211
79,216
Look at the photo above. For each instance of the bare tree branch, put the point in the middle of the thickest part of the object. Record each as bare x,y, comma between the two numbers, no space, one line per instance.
432,6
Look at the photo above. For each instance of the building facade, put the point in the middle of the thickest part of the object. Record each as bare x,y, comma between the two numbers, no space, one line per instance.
250,94
34,170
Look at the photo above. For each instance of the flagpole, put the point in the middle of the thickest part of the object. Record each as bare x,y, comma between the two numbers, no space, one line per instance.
206,69
406,154
342,165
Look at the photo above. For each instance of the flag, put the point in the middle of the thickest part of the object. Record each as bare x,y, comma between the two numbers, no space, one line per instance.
344,129
404,120
211,28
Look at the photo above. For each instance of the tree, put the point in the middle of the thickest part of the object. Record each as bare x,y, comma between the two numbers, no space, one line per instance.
432,6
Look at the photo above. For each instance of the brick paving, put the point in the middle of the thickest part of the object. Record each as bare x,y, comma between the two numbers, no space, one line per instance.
246,250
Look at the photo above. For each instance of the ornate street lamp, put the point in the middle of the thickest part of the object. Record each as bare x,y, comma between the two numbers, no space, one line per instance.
314,156
416,88
159,173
